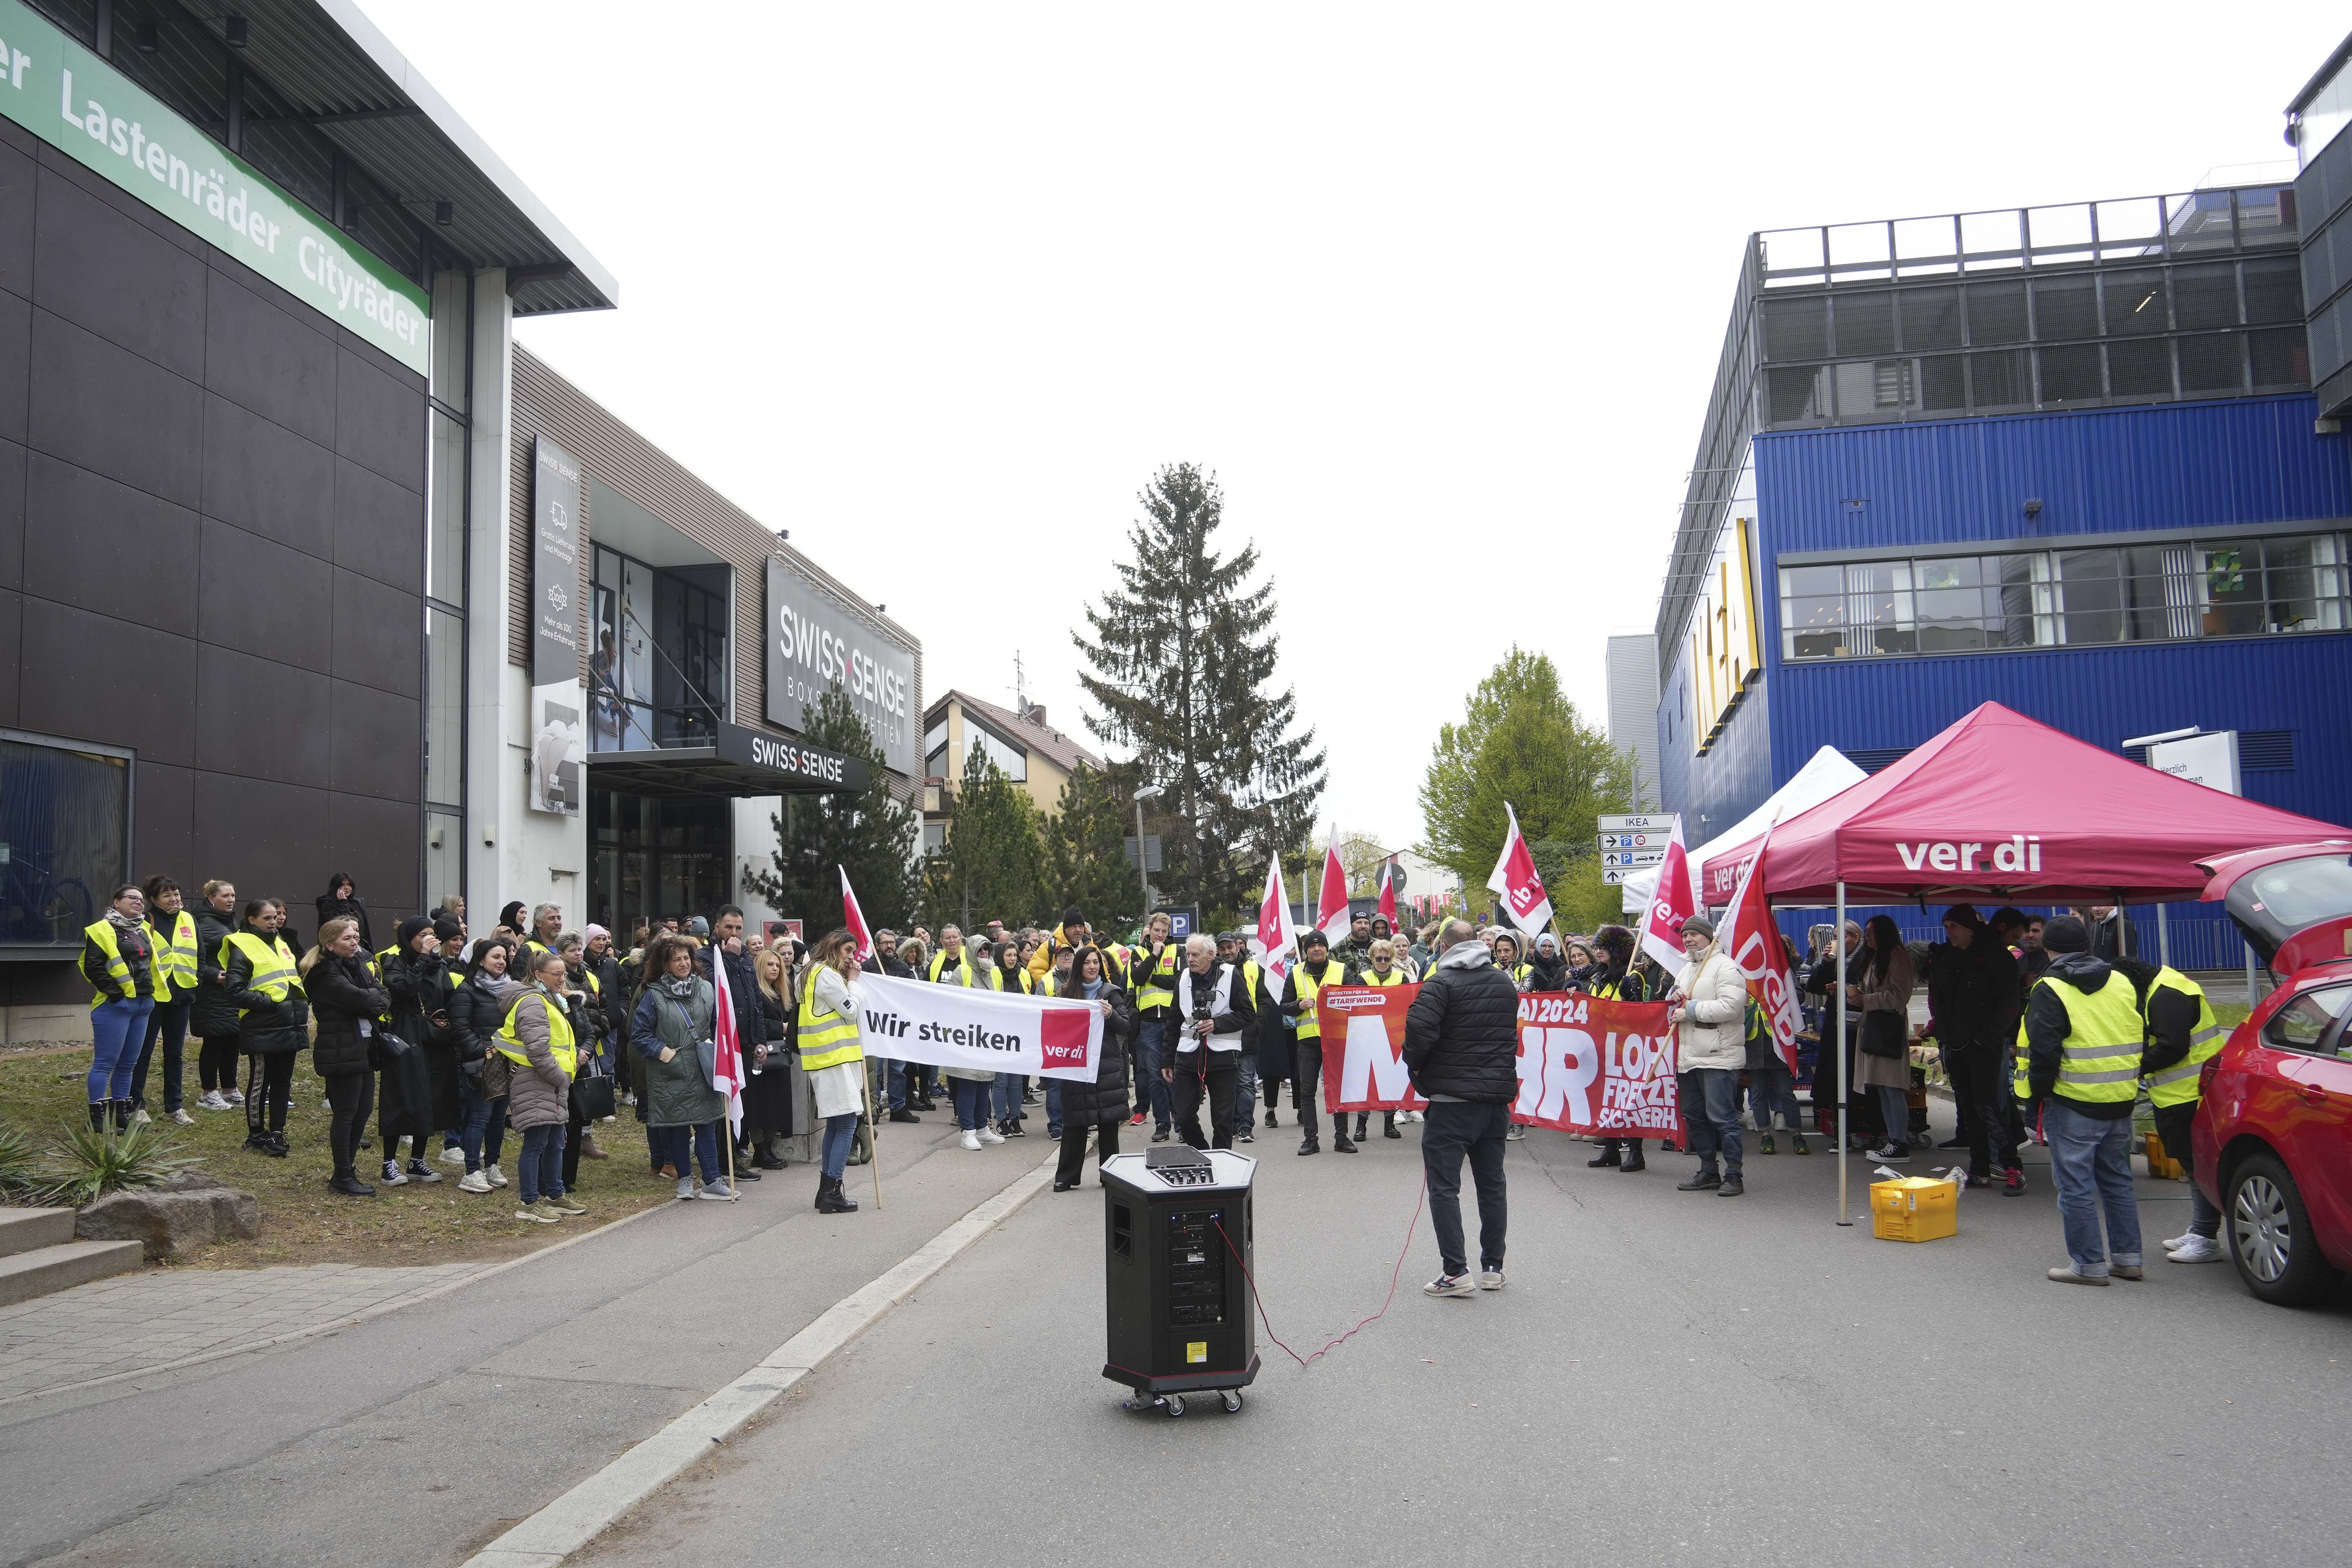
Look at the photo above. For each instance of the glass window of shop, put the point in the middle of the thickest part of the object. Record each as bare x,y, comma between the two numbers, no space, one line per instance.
653,859
448,482
658,669
2162,589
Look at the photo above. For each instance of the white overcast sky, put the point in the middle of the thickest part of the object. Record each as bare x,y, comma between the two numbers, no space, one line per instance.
1437,292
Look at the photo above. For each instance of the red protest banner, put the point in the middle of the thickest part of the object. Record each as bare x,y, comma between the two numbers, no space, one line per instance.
1586,1064
1594,1066
1369,1074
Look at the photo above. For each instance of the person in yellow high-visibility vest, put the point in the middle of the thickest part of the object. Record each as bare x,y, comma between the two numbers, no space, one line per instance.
273,1019
1380,969
2083,1034
1315,970
2183,1035
1154,973
171,932
833,1058
118,959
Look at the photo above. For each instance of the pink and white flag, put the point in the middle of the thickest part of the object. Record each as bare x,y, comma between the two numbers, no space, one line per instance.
1275,938
854,918
1388,893
1331,907
1672,902
726,1073
1752,938
1515,882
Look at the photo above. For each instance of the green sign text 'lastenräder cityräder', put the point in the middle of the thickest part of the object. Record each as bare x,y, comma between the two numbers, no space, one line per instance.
75,101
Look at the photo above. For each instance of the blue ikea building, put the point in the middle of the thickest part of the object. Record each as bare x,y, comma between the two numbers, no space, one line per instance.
2070,459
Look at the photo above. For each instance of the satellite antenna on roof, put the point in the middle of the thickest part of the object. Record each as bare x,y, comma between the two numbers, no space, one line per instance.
1020,692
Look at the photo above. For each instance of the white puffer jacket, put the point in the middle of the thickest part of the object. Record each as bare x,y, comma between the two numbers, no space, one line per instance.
1713,1030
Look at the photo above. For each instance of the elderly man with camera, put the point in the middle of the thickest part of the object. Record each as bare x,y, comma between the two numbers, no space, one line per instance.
1211,1008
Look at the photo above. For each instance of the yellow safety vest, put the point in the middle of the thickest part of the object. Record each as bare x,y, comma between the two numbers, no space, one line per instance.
175,956
559,1033
1310,1022
2099,1061
1614,990
118,968
826,1038
1020,977
1160,984
2179,1084
1396,978
939,962
274,974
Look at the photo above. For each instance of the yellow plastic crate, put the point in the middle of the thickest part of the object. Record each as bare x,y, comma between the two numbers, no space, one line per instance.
2162,1165
1915,1209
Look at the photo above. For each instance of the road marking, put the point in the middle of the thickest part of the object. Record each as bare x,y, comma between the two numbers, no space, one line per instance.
597,1503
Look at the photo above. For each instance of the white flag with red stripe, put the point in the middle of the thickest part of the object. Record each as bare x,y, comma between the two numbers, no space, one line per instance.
1515,881
854,918
1331,906
726,1073
1275,938
1672,901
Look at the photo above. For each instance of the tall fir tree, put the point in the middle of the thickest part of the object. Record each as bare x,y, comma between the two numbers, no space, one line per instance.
1085,849
988,868
871,836
1183,652
1521,741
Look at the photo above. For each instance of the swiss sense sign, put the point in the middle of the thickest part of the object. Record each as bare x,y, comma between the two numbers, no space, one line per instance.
815,643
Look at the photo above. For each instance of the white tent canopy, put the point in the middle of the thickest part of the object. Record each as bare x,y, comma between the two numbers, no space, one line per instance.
1825,774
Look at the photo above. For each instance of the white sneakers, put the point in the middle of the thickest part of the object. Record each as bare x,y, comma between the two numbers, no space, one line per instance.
498,1178
210,1100
140,1118
717,1192
183,1119
452,1156
686,1188
2194,1250
972,1140
232,1096
473,1181
1490,1279
990,1135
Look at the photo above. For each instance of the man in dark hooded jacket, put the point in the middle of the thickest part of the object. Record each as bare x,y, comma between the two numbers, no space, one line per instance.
2085,1038
1461,1048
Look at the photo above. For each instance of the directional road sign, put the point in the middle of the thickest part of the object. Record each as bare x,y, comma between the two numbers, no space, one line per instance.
1626,859
1632,840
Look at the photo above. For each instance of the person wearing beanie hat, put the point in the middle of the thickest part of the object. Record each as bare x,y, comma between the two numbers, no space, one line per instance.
1974,998
1709,1016
1614,978
416,978
2084,1036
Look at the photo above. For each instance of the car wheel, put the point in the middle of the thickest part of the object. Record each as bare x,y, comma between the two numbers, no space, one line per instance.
2270,1235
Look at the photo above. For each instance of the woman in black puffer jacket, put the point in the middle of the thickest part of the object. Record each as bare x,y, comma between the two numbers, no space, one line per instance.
476,1009
346,1002
1101,1105
211,1018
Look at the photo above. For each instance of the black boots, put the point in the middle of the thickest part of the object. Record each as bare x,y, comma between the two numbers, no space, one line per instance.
1610,1155
1339,1141
1633,1160
1310,1144
350,1185
97,1115
1388,1125
831,1199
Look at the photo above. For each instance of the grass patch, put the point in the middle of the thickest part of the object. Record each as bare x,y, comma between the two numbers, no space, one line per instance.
42,1097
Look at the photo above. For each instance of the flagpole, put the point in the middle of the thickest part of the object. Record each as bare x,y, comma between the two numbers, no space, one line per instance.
873,1132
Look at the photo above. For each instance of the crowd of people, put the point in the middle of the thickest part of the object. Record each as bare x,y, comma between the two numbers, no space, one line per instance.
2045,1029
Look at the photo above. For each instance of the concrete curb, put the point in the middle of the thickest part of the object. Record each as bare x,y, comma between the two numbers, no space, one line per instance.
598,1502
398,1303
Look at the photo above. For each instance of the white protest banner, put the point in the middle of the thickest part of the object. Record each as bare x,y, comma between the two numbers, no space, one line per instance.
959,1026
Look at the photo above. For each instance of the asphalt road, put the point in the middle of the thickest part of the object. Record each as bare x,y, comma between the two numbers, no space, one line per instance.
1669,1378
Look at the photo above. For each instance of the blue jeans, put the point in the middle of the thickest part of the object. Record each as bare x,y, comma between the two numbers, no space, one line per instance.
840,1132
1450,1129
481,1125
542,1163
897,1085
1770,1089
117,1030
1009,1087
1146,1060
2090,1159
971,1102
701,1140
1710,1105
1245,1093
1053,1107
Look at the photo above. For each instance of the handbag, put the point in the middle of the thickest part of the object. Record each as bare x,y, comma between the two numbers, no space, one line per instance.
1882,1035
592,1098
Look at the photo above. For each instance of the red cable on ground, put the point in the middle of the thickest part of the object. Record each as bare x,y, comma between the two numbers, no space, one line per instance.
1394,1274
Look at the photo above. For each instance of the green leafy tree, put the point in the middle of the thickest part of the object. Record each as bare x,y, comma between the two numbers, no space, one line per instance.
991,865
1521,741
1182,654
870,835
1086,859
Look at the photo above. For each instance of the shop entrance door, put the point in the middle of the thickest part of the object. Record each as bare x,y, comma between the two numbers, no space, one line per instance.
655,859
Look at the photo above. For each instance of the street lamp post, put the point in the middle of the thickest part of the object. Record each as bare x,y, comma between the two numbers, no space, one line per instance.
1142,863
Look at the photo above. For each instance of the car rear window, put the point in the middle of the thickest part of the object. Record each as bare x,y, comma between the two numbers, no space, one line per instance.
2299,893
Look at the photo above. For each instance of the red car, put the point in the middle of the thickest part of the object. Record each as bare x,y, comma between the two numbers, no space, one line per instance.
2274,1130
